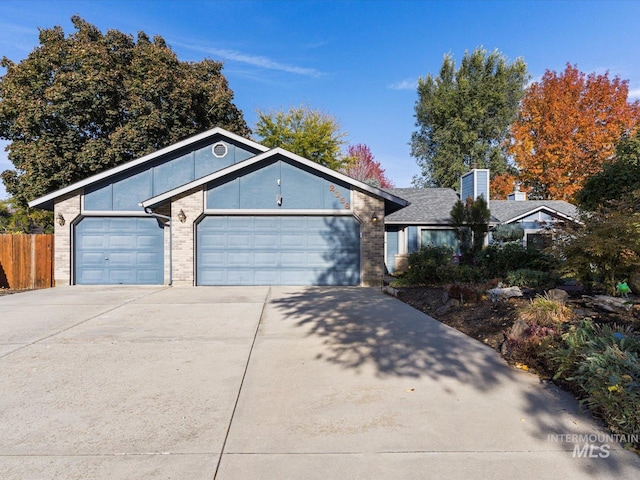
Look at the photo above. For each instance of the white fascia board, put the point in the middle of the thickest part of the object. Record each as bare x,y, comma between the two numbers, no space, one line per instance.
139,161
340,176
154,201
547,209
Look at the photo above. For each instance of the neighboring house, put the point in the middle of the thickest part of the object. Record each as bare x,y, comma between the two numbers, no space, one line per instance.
426,221
218,209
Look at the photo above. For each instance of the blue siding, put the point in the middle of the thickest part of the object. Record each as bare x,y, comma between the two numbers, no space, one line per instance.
224,194
475,184
117,250
301,189
124,192
129,191
466,187
392,248
278,250
170,175
298,189
259,188
482,184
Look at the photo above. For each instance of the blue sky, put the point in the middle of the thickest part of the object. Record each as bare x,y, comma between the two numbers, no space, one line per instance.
357,60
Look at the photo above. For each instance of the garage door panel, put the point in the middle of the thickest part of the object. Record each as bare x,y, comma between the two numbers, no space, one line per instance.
240,241
240,259
89,258
147,260
286,250
120,259
294,259
240,224
266,259
294,241
94,241
213,259
212,239
266,240
119,251
92,276
121,276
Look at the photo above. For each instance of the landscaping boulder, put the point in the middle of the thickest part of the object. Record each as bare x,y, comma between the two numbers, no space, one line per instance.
608,304
451,303
504,293
558,295
517,330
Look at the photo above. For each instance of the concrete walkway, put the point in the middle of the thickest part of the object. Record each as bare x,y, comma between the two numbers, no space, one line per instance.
271,383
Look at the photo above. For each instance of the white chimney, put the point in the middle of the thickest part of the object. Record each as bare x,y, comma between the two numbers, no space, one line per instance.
517,195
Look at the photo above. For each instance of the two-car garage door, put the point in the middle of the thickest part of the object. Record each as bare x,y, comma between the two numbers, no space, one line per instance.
278,250
230,250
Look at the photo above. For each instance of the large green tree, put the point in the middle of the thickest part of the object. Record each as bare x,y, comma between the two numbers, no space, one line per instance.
463,116
86,102
617,180
312,134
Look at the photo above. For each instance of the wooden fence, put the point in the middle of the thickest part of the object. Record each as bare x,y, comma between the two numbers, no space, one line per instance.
26,261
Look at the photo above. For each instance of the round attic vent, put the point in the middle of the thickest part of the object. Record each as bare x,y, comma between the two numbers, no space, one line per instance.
219,150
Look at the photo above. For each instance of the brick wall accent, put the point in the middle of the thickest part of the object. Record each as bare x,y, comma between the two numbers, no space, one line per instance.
364,206
166,211
184,245
69,207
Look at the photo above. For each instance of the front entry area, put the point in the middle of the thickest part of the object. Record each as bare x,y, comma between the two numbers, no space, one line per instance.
278,250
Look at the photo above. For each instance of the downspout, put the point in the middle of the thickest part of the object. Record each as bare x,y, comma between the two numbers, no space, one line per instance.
148,211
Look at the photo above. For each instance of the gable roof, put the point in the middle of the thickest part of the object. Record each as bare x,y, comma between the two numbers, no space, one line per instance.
508,211
392,202
428,206
46,201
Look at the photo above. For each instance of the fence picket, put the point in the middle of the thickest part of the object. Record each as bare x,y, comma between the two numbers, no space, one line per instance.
26,261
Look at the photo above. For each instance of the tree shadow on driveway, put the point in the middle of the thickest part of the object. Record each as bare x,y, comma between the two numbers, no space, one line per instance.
362,329
361,326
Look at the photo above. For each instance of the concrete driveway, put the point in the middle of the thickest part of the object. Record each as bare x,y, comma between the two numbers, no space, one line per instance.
271,383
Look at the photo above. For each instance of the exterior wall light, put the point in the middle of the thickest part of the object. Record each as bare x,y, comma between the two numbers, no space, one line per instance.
181,216
374,218
60,220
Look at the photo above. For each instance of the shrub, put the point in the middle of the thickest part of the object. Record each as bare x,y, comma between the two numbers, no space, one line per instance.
602,363
526,277
498,260
467,274
430,265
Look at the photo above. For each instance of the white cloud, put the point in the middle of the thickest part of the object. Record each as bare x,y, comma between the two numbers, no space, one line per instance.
254,60
404,85
634,93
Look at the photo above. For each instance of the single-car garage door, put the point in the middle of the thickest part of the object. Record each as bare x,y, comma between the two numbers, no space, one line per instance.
278,250
112,250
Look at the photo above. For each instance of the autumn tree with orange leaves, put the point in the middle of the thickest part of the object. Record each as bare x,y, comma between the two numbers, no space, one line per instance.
567,130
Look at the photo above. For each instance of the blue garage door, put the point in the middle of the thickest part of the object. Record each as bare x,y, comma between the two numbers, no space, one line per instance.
287,250
112,250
